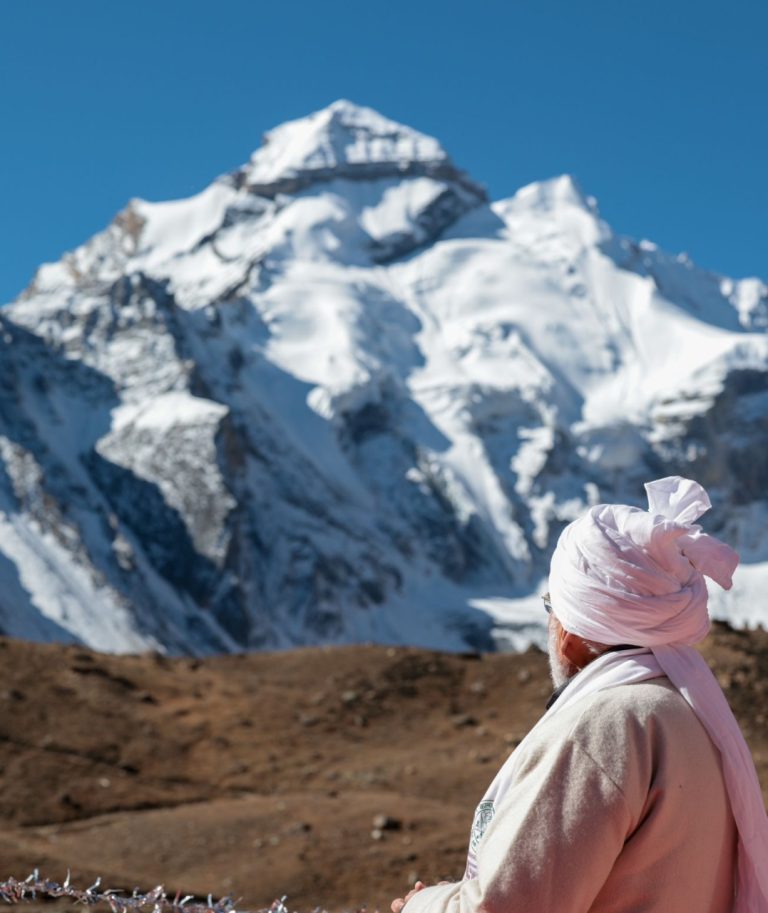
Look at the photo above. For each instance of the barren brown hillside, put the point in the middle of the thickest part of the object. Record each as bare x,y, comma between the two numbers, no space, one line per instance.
335,776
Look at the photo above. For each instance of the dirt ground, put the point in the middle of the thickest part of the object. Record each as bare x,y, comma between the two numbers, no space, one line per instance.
336,776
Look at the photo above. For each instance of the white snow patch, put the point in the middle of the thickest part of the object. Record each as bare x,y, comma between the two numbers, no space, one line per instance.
64,592
399,204
178,225
163,412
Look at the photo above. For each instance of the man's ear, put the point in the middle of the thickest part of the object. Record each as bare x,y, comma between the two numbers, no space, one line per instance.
573,648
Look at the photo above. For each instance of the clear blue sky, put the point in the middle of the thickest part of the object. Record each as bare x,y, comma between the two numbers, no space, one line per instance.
658,108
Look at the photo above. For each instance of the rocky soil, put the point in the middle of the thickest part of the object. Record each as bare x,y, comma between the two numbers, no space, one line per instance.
335,776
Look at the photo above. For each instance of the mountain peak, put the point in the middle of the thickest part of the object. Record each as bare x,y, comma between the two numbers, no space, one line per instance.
563,190
340,140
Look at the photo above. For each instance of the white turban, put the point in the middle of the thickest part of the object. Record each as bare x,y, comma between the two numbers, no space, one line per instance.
624,575
621,575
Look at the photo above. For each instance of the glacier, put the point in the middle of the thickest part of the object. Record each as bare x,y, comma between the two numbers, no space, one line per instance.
341,396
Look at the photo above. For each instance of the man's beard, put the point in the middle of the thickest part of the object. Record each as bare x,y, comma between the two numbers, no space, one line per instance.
558,668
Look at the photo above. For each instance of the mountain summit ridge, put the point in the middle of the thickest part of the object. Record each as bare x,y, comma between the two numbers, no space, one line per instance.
345,140
339,135
340,396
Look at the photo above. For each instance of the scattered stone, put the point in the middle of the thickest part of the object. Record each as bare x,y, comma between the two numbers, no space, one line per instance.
66,799
349,697
463,719
383,822
309,719
524,676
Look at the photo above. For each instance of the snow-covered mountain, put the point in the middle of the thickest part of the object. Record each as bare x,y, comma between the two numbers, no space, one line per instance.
339,395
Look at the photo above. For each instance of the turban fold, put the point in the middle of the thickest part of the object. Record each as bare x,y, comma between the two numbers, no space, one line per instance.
624,575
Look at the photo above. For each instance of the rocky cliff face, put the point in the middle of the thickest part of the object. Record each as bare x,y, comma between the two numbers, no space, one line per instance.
340,396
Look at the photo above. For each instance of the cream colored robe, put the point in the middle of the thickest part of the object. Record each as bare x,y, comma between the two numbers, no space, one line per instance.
619,806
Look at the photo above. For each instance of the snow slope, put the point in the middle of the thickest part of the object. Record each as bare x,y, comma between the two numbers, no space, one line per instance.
339,395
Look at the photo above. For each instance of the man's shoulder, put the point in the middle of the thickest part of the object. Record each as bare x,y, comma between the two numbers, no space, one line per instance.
643,711
656,699
635,732
611,722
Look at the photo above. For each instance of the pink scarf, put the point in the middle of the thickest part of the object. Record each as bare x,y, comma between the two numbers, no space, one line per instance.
623,575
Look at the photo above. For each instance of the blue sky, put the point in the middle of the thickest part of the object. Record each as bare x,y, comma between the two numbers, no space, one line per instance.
657,108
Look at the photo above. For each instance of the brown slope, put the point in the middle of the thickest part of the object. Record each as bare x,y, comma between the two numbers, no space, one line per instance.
261,775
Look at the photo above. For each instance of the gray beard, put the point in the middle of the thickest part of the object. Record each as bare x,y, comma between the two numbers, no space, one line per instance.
558,668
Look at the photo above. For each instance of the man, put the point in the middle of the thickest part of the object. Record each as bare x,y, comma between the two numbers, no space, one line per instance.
635,791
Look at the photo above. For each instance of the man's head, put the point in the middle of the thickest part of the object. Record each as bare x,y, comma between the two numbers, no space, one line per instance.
621,575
